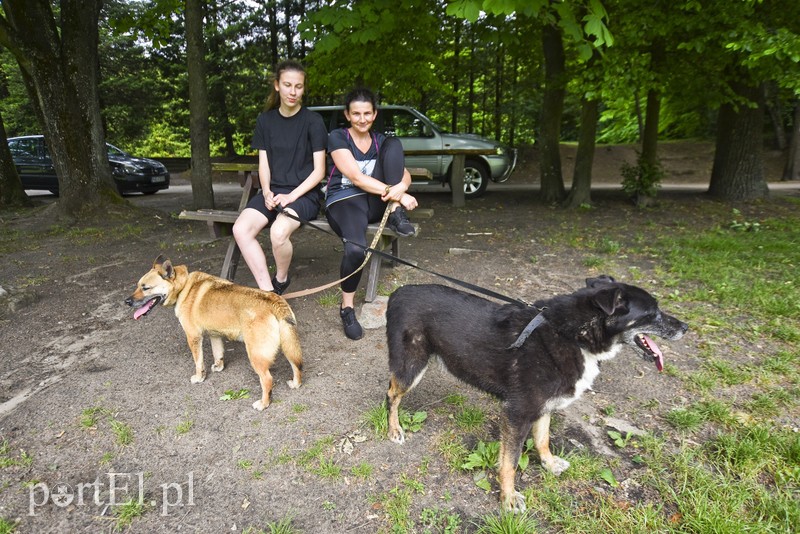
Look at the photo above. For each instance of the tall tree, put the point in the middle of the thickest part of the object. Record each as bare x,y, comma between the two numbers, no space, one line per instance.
738,171
583,25
555,83
202,190
62,64
11,192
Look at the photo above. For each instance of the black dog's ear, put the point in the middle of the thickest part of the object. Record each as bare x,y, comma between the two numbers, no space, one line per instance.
609,300
599,281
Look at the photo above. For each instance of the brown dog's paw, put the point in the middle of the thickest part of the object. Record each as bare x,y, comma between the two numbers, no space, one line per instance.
218,366
196,379
398,436
293,384
258,405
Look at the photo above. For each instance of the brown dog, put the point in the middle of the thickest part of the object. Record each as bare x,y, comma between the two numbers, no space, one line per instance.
208,304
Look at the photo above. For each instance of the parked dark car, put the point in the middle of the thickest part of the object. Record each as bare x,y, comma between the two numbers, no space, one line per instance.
131,174
418,132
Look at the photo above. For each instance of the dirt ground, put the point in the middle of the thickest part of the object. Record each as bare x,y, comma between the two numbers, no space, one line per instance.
97,409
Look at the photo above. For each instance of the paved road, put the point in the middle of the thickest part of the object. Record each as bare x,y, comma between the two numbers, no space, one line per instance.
227,195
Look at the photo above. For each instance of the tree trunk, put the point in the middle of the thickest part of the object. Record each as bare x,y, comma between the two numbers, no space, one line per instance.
498,91
792,169
61,64
287,27
11,192
738,172
272,12
456,74
552,189
581,192
772,103
202,191
471,90
218,86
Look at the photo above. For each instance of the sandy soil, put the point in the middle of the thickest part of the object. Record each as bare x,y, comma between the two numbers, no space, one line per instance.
97,409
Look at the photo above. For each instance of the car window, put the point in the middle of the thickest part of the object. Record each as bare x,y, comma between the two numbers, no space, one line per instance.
27,148
114,151
401,123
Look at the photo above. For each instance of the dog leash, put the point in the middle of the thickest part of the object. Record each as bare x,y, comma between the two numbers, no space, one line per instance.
537,321
372,250
304,292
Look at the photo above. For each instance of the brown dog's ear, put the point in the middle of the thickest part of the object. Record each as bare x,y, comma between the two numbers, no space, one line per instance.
167,271
609,300
599,281
159,260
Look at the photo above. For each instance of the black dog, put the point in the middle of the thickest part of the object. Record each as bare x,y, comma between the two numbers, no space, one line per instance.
555,360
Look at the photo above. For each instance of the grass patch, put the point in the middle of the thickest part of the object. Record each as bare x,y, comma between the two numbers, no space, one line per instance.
127,512
470,418
8,460
362,470
7,526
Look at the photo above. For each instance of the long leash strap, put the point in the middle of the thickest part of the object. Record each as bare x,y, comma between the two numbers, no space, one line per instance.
533,325
371,249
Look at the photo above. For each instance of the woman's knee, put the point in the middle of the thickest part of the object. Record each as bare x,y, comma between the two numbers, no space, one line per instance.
247,227
353,254
280,231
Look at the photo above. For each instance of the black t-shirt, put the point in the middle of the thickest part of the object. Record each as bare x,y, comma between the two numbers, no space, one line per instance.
339,187
290,143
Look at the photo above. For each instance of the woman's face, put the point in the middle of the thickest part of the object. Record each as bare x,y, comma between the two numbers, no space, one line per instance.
290,87
361,115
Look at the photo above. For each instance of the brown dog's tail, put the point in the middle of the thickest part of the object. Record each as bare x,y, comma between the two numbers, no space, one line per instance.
290,341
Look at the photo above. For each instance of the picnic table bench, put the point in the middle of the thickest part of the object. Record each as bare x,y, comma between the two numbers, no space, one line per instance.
220,224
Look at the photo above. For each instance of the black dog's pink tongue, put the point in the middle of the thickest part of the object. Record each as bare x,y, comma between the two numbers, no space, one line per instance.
658,356
144,309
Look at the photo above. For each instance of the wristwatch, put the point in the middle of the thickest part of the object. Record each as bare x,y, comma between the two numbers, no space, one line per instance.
386,191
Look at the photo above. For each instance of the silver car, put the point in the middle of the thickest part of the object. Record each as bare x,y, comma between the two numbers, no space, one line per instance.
418,132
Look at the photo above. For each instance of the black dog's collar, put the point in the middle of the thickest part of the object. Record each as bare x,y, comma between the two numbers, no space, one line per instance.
533,325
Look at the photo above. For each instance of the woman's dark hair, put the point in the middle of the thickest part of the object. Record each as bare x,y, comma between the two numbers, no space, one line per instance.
360,94
274,98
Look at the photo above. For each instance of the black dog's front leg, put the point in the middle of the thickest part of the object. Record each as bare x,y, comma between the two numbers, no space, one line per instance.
541,438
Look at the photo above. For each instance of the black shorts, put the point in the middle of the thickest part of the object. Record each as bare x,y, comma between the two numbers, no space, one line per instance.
306,207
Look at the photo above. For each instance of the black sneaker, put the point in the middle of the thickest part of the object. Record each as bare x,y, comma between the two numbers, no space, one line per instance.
280,287
351,327
398,222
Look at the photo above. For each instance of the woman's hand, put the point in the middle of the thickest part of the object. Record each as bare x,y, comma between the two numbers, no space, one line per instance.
394,193
408,202
283,200
272,201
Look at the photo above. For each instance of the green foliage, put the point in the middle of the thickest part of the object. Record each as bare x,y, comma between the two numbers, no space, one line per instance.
642,179
233,394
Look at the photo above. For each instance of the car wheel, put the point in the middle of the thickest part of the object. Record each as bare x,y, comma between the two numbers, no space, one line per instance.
476,178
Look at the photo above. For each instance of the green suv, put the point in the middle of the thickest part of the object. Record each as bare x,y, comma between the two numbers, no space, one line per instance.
418,132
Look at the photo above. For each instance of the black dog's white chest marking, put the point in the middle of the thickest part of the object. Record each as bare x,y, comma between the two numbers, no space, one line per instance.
591,368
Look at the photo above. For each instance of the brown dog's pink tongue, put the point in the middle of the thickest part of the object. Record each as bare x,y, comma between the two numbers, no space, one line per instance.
144,309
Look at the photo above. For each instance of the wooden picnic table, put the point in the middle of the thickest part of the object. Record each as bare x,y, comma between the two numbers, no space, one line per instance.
457,169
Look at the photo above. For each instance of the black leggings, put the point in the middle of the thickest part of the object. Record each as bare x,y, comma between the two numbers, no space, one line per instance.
349,217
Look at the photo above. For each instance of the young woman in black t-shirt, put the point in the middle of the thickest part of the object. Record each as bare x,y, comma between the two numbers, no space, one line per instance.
368,172
291,143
